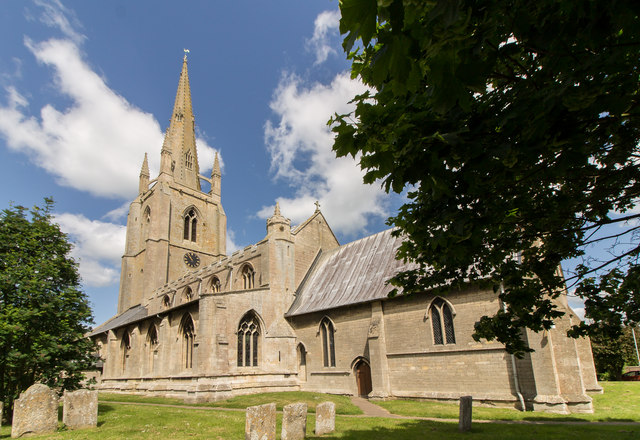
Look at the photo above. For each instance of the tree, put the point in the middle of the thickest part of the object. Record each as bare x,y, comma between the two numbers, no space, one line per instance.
611,354
43,314
513,126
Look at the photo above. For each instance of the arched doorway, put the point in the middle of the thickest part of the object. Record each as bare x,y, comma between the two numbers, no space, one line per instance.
363,378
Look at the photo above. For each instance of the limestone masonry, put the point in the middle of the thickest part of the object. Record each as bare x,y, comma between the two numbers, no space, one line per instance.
298,311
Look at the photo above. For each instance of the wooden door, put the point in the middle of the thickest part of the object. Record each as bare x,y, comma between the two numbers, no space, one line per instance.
363,378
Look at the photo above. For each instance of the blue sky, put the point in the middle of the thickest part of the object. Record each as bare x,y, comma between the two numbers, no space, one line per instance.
86,88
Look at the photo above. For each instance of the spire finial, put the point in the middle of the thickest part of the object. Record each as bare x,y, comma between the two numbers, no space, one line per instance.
277,210
317,203
186,51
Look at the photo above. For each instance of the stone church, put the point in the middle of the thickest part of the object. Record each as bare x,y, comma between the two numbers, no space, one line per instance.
299,311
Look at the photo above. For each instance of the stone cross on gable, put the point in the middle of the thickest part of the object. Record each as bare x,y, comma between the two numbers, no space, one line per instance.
317,203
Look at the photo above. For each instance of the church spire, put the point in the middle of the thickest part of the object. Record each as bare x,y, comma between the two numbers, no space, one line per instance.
144,175
179,155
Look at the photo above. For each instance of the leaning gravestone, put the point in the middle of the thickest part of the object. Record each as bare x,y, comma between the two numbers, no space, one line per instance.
464,422
80,409
35,412
294,421
261,422
325,418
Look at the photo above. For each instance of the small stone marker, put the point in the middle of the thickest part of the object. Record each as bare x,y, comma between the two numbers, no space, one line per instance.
294,421
464,423
35,412
325,418
261,422
80,409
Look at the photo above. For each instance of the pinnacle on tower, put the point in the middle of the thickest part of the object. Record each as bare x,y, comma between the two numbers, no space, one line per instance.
144,175
216,177
277,210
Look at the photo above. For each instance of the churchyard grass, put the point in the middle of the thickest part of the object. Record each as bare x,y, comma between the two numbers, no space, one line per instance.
343,403
620,402
153,422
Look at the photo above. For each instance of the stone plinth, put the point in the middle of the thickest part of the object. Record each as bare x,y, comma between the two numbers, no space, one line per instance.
261,422
294,421
80,409
35,412
325,418
464,422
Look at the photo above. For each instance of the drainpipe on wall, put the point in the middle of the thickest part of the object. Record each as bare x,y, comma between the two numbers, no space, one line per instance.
513,362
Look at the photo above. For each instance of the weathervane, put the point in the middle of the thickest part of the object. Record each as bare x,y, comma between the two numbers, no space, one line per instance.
186,51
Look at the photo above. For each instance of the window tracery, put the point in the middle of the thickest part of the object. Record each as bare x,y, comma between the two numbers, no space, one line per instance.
248,277
215,284
327,331
190,225
248,341
188,337
442,322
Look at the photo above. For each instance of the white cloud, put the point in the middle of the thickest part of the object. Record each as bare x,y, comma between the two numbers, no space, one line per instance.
232,246
118,213
300,147
54,14
98,143
95,144
325,35
98,247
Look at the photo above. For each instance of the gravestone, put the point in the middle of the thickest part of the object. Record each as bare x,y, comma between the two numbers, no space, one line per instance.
294,421
325,418
261,422
80,409
464,422
35,411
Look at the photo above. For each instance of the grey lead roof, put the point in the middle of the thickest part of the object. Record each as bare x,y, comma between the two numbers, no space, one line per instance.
134,314
351,274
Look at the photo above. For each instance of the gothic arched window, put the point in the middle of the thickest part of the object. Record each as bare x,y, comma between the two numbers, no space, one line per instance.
190,225
248,341
187,294
166,301
152,341
188,336
215,284
126,348
188,160
328,345
442,322
248,277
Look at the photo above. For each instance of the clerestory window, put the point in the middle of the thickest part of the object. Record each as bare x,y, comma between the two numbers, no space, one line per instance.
248,277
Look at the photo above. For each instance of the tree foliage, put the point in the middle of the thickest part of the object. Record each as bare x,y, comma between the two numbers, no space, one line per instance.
514,128
43,314
610,354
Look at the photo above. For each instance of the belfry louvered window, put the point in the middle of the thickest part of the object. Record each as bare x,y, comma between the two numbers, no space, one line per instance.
442,322
328,343
190,225
188,160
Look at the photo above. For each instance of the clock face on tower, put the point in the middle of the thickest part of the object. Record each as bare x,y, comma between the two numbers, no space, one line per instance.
191,259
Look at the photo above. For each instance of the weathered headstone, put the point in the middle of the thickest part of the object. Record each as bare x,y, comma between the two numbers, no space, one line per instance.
261,422
325,418
80,409
294,421
35,412
464,422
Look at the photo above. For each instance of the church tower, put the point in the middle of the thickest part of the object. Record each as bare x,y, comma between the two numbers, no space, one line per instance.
173,226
